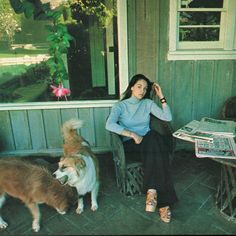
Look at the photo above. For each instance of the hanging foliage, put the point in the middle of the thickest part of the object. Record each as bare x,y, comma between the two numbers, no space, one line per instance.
59,40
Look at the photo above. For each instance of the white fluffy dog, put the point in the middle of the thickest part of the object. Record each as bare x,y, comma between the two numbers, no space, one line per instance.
79,166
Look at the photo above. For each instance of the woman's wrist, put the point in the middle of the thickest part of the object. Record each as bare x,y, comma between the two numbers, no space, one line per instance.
131,134
128,133
163,100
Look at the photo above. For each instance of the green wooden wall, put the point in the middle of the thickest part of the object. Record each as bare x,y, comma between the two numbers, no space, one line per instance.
38,131
194,88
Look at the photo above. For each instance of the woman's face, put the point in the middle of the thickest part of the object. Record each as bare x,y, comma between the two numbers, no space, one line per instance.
139,89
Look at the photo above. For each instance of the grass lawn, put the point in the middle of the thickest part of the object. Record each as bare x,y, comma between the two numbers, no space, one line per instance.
7,72
31,92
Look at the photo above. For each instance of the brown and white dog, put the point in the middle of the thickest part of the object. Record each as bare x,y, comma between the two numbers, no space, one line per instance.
32,184
79,166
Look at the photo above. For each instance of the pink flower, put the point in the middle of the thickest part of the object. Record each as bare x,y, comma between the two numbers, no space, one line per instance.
60,91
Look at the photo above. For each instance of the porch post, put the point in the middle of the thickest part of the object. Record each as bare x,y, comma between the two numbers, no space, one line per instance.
122,44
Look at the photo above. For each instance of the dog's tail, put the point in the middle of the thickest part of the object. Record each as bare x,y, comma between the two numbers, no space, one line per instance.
69,130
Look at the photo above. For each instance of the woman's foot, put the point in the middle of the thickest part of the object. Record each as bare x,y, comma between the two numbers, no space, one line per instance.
165,214
151,200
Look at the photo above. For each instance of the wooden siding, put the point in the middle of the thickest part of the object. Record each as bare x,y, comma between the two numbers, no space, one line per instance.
194,88
38,131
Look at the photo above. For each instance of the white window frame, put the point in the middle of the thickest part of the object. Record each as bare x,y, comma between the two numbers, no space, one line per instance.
225,48
123,74
122,20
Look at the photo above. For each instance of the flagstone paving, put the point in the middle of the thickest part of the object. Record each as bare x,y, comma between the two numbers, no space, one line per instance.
195,213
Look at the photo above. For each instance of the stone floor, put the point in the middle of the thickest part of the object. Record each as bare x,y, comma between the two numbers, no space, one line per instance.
194,214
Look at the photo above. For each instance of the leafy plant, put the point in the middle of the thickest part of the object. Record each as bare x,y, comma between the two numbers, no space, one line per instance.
103,12
59,40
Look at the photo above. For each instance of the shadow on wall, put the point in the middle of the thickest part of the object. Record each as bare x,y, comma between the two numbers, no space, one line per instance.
2,146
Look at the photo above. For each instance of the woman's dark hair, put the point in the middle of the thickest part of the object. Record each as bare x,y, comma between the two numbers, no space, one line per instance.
133,81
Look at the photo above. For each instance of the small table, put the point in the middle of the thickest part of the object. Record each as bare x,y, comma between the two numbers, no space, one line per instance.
226,190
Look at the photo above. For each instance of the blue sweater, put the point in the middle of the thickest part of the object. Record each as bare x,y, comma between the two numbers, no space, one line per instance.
134,115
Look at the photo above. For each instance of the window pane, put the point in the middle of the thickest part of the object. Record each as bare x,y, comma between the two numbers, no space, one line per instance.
200,18
202,3
92,60
199,34
22,77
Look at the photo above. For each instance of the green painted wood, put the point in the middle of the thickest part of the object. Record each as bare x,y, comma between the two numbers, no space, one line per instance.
146,38
20,129
102,137
203,93
36,127
52,124
166,69
45,130
67,114
223,78
183,92
88,130
196,87
191,87
6,135
233,91
140,36
131,5
70,113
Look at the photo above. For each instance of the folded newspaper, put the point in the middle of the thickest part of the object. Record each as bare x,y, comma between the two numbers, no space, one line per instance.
221,147
206,129
217,127
190,132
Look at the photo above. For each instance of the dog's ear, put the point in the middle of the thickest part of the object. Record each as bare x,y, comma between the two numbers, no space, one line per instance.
80,164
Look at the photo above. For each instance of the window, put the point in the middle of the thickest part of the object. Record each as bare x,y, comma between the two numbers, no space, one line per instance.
202,29
92,58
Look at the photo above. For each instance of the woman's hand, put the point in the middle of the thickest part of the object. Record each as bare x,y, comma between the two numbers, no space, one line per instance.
157,89
137,139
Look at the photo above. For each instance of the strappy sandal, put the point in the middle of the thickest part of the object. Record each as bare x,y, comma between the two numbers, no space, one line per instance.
165,214
151,201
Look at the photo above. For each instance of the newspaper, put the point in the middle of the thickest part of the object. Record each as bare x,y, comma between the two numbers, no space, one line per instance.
217,127
190,132
221,147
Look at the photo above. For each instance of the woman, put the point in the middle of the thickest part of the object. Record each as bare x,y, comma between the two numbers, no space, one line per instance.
130,118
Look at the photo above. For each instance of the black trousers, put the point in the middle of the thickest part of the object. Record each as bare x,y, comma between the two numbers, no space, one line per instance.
154,154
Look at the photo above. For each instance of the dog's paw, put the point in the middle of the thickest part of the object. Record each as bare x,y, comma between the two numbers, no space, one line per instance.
79,210
35,226
61,212
94,207
3,224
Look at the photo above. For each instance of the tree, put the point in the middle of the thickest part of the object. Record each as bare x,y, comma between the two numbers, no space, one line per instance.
9,22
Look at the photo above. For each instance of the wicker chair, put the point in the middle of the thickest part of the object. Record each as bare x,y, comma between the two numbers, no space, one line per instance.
225,195
228,111
129,175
